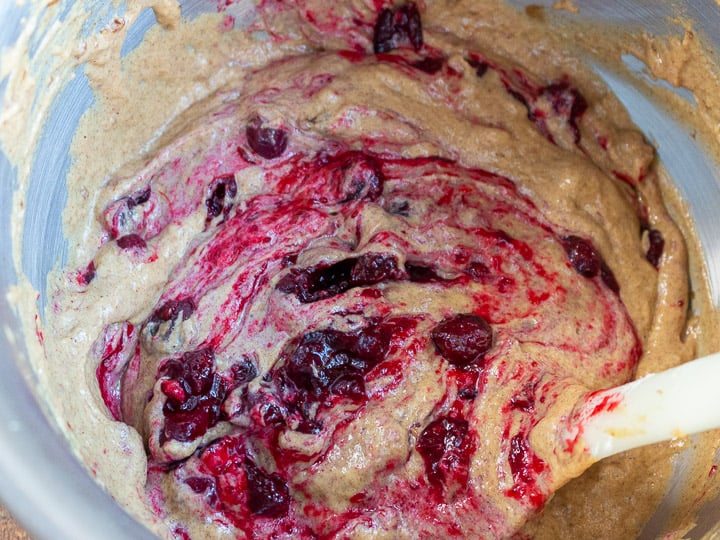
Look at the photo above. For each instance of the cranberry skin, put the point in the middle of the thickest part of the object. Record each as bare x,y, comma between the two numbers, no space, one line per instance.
243,371
220,189
583,257
394,27
609,278
567,102
131,241
141,197
88,274
463,339
171,309
656,247
326,280
445,447
479,66
266,142
268,494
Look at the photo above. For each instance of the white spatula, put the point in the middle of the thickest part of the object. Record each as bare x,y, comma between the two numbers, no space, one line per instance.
680,401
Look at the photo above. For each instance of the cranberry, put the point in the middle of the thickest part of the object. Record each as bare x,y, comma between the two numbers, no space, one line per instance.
328,363
271,415
220,188
525,399
463,339
264,141
194,395
324,357
394,27
583,257
656,247
325,280
131,241
566,101
351,386
268,494
587,262
446,446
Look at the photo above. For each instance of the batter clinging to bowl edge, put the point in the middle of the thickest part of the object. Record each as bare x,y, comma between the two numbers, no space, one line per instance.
331,265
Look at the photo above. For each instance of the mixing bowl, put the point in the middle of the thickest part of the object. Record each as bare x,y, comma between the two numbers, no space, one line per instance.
43,484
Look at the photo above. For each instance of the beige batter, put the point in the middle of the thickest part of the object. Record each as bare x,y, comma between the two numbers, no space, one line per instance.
191,85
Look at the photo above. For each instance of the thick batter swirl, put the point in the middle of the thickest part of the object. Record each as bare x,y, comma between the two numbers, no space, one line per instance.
364,329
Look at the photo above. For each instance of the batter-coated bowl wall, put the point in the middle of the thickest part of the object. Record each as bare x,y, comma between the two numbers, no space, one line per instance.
43,485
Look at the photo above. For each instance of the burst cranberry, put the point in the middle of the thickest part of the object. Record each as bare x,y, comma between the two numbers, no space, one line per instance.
220,189
121,216
194,395
265,141
446,446
463,339
328,363
116,348
325,280
393,28
171,309
525,467
479,271
268,494
567,102
243,371
360,177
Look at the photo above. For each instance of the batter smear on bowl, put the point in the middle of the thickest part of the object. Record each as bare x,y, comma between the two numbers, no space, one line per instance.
390,251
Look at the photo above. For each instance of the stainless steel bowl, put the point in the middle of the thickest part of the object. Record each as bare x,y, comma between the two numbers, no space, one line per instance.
42,483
